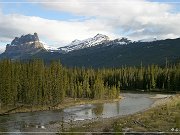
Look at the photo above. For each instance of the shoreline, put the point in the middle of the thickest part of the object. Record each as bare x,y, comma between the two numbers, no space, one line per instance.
159,100
158,103
69,102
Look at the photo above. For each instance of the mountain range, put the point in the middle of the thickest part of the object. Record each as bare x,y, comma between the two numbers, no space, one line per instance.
81,44
90,42
98,51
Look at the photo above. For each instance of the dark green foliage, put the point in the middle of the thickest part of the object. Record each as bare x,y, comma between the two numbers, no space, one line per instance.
33,83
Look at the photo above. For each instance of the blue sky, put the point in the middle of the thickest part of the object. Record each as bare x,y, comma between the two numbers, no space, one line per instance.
59,23
31,9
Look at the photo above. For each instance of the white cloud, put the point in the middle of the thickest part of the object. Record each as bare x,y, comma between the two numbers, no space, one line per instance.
137,19
127,15
57,31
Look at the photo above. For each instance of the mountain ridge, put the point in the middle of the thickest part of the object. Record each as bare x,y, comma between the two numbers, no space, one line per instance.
90,42
115,55
81,44
109,53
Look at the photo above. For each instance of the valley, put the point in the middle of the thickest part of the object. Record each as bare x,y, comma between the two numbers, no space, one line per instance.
89,67
86,83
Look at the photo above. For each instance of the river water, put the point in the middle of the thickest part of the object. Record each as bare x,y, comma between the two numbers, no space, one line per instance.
132,103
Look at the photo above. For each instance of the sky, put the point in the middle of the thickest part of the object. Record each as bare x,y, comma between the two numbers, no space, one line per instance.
58,22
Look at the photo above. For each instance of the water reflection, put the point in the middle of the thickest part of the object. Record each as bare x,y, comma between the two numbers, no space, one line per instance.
98,110
118,107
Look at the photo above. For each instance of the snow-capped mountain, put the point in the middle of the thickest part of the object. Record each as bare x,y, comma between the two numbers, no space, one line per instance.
100,51
50,48
81,44
94,41
119,41
31,43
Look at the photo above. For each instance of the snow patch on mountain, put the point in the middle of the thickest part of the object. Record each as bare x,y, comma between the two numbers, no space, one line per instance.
48,47
89,42
147,40
81,44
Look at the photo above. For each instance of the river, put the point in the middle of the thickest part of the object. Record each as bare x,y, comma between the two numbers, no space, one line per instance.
19,122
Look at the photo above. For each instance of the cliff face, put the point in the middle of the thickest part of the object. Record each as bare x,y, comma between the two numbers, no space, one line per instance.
26,44
25,39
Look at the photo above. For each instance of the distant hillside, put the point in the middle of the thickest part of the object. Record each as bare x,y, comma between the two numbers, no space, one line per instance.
115,55
98,51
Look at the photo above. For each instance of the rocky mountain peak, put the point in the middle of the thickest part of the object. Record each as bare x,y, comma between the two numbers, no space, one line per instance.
123,40
76,41
25,39
101,36
26,44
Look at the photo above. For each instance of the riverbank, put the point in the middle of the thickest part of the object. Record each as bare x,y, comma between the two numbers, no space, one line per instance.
100,124
81,117
162,116
68,102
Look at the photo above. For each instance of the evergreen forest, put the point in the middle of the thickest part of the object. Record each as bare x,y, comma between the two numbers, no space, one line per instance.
35,83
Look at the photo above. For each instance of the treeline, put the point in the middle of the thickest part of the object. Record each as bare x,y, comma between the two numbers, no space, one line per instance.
34,83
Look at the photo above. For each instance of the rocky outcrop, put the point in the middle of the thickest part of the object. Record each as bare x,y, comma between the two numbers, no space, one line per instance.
25,39
26,44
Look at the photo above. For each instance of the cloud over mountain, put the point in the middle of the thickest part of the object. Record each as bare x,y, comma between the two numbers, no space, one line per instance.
135,19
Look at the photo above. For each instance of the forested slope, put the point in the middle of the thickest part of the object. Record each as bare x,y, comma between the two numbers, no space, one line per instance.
35,83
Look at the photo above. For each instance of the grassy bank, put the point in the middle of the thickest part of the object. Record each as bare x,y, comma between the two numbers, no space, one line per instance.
163,117
66,103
